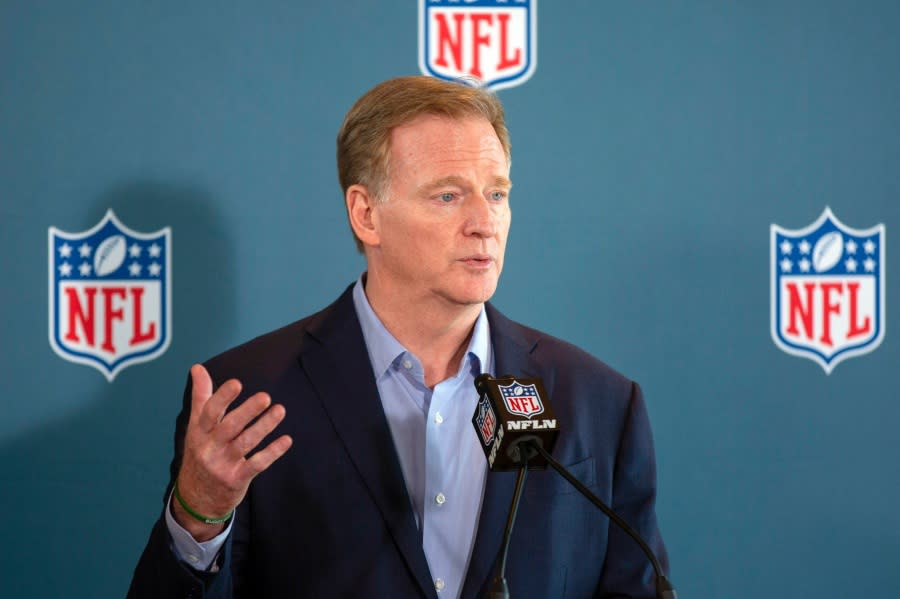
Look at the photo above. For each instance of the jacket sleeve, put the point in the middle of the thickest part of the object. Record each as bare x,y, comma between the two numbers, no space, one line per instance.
159,573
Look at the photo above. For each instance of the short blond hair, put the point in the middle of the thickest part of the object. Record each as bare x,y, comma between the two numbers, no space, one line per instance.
364,141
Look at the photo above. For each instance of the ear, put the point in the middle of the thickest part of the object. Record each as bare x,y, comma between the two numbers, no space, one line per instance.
360,210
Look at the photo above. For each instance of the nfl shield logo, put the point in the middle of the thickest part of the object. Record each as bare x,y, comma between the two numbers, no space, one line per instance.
110,295
521,399
485,420
827,290
494,41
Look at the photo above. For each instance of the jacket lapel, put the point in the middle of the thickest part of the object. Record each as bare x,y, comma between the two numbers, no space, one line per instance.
512,346
337,363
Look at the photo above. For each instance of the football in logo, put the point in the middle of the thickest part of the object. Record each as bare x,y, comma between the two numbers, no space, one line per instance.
827,251
827,290
492,41
110,255
110,295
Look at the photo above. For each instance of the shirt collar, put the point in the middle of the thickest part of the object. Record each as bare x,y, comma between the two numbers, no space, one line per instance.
384,349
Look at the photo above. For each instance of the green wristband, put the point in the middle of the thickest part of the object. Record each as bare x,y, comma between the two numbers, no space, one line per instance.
195,515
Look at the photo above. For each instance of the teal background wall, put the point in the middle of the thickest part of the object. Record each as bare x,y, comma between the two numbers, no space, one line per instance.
653,147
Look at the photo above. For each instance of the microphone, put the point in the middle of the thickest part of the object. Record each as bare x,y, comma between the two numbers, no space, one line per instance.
512,410
508,424
505,419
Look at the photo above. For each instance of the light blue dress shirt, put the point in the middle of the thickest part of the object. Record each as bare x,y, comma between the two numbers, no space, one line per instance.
440,455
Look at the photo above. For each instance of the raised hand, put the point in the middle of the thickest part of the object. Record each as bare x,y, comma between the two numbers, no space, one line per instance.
215,471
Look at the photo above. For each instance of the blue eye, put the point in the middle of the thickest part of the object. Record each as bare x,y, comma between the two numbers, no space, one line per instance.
446,197
498,196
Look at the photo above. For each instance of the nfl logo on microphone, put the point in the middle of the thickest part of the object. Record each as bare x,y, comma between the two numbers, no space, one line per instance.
485,420
110,295
494,41
522,400
827,290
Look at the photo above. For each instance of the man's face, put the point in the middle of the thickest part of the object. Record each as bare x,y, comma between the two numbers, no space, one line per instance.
443,224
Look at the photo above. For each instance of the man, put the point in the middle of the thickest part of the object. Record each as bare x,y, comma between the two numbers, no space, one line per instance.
385,492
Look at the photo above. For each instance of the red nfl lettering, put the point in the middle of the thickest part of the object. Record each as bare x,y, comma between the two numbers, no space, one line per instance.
82,316
524,405
137,293
831,298
479,29
110,315
78,314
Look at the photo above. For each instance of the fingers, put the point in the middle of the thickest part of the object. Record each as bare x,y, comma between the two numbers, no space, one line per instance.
237,432
265,457
250,437
240,417
223,439
201,390
214,408
207,408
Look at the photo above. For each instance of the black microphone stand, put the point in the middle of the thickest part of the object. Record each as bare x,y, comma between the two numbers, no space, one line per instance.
664,588
499,588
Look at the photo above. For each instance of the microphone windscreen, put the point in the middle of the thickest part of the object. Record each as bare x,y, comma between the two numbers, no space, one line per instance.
511,410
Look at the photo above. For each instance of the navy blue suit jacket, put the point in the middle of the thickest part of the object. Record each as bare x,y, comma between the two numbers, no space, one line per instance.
332,517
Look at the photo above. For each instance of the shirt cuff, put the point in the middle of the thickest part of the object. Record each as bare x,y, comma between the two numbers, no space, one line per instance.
199,556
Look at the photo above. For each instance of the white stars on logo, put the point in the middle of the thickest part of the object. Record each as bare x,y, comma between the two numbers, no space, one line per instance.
786,265
65,251
145,258
850,250
869,265
74,262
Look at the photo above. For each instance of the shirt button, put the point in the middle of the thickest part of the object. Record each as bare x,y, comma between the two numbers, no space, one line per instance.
439,584
440,499
438,418
193,558
407,364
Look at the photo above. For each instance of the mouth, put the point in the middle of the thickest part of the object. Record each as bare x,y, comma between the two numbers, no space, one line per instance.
478,261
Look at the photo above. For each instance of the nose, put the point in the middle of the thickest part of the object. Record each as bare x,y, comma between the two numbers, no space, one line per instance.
481,217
